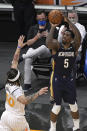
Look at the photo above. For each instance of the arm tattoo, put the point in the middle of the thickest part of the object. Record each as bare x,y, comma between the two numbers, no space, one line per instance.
32,97
16,57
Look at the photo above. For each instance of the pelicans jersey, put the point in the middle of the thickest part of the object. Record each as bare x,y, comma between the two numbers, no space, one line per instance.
64,61
62,82
13,117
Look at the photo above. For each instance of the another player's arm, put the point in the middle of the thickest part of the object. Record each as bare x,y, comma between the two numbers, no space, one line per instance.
52,43
29,99
77,39
17,52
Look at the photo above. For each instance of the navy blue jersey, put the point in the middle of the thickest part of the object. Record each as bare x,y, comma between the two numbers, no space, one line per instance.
64,61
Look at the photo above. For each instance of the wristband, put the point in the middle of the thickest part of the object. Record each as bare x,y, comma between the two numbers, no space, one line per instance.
19,47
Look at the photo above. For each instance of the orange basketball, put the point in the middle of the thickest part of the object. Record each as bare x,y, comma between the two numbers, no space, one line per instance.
55,16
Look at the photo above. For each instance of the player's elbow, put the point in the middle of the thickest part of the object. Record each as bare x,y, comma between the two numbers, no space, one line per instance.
25,101
47,43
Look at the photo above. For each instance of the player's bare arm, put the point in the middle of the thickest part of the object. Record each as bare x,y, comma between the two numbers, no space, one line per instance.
29,99
52,43
77,39
17,52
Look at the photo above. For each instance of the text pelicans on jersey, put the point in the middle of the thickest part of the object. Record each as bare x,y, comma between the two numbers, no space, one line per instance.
66,54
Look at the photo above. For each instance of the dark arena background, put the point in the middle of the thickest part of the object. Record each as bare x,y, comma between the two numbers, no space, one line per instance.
38,113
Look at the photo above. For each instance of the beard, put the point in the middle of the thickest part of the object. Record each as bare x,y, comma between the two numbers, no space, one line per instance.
64,43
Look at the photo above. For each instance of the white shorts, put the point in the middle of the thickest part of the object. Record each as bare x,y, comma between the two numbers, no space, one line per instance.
13,122
4,127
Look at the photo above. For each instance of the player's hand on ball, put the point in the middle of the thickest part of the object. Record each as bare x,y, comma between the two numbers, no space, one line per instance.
43,91
54,25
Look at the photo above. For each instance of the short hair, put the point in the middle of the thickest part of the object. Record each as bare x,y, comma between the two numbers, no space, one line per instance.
40,12
71,32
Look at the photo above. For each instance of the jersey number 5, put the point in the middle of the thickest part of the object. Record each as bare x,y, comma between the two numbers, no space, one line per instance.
66,63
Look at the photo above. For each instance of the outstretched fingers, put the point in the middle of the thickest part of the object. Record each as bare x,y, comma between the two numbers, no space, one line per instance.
21,40
43,91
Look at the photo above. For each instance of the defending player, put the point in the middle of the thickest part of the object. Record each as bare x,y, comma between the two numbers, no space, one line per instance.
62,78
13,118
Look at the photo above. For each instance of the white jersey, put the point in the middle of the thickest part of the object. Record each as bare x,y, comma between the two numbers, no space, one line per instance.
12,105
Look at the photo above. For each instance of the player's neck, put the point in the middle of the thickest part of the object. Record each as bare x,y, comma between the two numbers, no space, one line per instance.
66,46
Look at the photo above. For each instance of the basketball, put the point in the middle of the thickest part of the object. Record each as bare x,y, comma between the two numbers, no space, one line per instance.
55,16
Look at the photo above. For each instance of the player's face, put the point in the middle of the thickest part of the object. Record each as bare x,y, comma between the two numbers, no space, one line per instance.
66,37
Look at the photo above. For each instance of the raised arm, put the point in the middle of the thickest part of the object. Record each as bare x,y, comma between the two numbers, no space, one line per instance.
52,43
17,52
77,38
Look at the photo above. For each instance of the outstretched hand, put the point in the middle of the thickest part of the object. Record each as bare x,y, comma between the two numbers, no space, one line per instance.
20,41
43,91
17,52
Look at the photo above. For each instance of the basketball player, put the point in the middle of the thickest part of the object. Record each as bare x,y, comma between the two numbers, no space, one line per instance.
73,17
62,77
13,118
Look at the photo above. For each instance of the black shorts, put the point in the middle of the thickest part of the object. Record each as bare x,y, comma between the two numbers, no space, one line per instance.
64,88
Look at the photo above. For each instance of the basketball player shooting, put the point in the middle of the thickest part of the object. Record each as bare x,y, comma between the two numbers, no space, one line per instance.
63,77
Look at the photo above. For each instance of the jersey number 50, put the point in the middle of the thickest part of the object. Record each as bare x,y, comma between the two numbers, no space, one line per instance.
10,100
